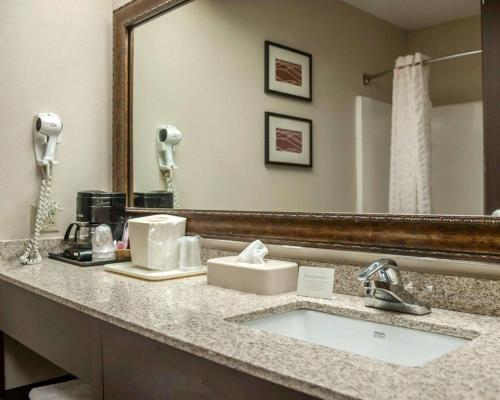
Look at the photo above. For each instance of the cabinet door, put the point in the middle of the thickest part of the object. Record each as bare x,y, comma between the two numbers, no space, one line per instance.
135,367
68,338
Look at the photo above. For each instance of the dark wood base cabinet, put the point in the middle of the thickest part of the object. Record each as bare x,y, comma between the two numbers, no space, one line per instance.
118,364
139,368
62,335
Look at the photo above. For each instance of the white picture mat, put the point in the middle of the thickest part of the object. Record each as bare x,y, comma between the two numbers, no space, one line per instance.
296,58
287,156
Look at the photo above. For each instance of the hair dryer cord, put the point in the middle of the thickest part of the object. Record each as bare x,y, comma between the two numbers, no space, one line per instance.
169,180
45,206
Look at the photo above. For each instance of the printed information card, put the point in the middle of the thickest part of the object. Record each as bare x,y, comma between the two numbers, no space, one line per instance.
315,282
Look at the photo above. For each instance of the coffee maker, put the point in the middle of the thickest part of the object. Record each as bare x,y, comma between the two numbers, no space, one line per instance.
93,208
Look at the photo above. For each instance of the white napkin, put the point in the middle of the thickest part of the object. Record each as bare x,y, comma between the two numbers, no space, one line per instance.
254,253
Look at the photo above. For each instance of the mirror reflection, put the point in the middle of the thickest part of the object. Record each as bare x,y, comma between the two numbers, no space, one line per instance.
310,106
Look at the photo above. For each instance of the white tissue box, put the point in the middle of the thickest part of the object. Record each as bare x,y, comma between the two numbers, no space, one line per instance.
154,241
273,277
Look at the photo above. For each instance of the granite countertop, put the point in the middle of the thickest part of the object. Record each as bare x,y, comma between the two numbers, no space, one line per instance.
192,316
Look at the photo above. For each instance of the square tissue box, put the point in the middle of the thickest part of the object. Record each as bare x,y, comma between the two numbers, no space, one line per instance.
154,241
273,277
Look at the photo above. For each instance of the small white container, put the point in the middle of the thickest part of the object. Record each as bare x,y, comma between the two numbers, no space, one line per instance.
273,277
190,253
154,241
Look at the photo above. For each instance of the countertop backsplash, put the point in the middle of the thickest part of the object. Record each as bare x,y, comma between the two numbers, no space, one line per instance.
449,292
10,250
457,293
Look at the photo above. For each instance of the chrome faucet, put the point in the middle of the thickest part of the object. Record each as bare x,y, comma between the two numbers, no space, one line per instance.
384,289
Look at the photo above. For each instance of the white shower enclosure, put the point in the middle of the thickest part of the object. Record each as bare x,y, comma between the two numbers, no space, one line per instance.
456,157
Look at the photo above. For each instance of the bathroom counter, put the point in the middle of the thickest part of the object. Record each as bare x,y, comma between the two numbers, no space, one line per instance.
191,316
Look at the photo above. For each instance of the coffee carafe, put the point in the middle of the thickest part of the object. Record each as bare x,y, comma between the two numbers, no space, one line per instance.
93,208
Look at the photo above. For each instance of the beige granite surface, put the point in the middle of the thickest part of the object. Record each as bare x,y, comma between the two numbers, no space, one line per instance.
450,292
10,250
192,316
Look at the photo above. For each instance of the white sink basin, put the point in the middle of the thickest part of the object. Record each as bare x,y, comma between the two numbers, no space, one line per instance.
393,344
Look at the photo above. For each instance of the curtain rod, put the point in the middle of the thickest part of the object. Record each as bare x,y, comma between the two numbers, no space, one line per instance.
369,77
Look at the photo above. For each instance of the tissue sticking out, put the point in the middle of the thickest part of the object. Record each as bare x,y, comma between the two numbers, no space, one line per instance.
249,272
254,253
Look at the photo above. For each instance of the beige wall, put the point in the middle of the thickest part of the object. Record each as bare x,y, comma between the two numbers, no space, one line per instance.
55,56
458,80
201,68
120,3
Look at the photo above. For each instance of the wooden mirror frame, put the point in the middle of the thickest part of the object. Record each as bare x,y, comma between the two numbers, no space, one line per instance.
463,237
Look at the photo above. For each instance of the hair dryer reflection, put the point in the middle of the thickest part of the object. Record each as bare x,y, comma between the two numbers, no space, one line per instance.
167,138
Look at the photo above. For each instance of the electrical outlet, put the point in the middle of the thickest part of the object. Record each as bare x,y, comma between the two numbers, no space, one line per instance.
51,223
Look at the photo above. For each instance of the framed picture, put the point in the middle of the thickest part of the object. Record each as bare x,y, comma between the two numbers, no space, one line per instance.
288,140
288,72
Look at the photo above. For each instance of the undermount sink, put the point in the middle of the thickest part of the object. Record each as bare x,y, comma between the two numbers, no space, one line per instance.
393,344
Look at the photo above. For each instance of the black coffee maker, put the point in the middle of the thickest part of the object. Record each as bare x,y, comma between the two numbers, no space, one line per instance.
93,208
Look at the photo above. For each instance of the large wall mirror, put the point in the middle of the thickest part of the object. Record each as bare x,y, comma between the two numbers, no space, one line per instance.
311,106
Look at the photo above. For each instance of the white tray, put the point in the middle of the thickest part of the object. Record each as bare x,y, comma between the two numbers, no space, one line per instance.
129,269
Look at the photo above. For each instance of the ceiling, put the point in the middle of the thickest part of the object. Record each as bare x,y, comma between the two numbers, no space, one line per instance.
416,14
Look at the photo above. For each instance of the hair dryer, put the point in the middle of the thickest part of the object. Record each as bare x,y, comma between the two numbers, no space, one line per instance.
167,137
47,128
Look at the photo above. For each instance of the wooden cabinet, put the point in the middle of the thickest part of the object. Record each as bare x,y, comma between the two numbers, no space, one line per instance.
118,364
68,338
136,367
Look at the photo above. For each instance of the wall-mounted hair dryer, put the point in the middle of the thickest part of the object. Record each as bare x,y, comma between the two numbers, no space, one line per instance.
167,137
47,129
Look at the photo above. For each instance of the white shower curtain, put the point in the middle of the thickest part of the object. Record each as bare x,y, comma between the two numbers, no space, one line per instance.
410,191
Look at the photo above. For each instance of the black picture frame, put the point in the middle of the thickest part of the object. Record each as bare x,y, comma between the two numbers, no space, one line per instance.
267,45
268,161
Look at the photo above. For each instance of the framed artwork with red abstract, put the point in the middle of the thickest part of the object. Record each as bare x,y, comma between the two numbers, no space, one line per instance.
288,72
288,140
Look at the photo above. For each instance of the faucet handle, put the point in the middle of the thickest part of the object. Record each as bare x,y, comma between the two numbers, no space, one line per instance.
386,269
384,289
